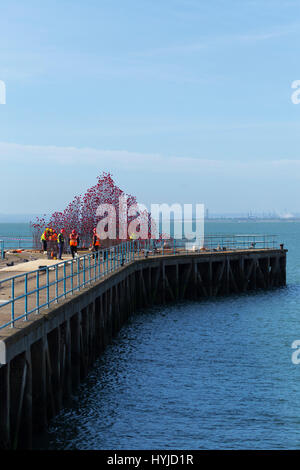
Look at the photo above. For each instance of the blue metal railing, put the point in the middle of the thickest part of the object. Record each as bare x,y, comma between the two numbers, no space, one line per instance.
2,249
19,243
30,292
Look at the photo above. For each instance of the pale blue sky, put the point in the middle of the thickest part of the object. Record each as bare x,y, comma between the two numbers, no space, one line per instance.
183,100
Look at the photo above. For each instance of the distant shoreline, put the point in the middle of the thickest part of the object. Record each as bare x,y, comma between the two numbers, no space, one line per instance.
238,219
213,220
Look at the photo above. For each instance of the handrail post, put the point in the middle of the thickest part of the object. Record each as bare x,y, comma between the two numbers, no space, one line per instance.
84,271
26,296
65,286
48,291
99,264
13,303
72,278
78,273
38,292
56,282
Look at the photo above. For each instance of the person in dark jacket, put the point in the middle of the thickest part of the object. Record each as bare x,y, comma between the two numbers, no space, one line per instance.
61,243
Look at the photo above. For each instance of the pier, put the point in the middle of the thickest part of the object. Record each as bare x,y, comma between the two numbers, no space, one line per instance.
57,319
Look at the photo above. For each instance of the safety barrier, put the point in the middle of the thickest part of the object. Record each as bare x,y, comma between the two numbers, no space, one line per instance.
33,291
20,243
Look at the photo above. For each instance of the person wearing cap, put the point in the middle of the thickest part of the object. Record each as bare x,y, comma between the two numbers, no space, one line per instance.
74,242
54,245
133,237
44,239
96,242
61,242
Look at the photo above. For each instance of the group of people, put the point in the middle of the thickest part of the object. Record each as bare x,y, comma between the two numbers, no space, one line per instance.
54,242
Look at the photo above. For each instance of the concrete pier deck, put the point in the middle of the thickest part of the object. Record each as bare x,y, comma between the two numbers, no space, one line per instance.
31,265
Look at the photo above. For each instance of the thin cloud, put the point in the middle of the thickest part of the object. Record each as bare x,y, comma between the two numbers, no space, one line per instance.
135,161
224,40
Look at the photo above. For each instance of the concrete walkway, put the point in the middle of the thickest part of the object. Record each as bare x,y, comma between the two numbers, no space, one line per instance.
33,265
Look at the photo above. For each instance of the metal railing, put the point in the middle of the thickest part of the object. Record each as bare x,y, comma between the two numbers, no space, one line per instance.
2,249
242,241
33,291
16,243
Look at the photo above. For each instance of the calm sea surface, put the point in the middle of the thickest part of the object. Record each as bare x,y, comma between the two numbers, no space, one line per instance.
14,230
16,235
215,374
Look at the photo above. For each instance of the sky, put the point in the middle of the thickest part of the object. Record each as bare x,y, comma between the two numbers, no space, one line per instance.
183,101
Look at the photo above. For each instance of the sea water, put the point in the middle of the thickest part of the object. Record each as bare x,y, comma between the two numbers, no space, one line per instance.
213,374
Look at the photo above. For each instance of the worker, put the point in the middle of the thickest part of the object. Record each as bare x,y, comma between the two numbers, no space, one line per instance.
96,243
54,247
61,242
44,239
54,235
132,238
74,242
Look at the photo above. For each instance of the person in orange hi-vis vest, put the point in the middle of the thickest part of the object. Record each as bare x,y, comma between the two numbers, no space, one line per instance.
74,242
96,243
53,244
